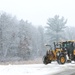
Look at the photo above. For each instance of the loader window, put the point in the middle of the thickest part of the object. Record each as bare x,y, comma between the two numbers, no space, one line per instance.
64,45
57,45
68,46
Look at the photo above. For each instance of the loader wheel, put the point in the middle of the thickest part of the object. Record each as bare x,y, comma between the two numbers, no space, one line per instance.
45,60
62,60
49,61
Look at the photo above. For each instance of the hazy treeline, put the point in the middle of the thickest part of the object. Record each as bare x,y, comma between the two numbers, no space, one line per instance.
20,40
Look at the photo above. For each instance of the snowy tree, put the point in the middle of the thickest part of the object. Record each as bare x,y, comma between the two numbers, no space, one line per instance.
69,33
24,44
1,35
55,26
4,21
41,40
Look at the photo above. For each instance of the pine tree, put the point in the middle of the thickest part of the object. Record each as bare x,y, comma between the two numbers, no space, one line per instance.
55,27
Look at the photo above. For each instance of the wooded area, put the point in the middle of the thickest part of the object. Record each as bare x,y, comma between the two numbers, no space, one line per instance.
21,40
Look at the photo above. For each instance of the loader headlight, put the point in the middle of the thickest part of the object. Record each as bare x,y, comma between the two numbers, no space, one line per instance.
57,54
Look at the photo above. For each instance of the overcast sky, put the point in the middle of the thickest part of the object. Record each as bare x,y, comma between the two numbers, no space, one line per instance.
38,11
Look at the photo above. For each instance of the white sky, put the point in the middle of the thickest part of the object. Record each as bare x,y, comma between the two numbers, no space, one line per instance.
38,11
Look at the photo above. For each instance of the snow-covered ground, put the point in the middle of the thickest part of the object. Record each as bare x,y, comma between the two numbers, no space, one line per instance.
34,69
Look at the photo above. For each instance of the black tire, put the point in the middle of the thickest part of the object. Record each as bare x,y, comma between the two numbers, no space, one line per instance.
73,58
45,60
62,59
58,54
58,61
49,61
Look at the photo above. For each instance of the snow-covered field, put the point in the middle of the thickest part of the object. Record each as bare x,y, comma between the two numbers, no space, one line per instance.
34,69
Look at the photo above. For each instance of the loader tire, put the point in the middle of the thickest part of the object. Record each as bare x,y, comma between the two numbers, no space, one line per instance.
62,60
45,60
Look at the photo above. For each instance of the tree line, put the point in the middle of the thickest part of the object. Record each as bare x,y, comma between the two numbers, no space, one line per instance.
19,39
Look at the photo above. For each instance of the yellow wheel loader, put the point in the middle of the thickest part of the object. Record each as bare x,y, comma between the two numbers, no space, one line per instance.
61,51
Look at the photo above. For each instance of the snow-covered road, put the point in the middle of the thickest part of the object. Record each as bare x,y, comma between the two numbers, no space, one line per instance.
36,69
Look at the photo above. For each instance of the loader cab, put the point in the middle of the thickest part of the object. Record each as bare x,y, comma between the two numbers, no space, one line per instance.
69,47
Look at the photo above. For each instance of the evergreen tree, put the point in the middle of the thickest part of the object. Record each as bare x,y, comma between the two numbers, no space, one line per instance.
55,27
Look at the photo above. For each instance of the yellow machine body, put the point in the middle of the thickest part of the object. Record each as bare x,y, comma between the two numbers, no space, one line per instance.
59,53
